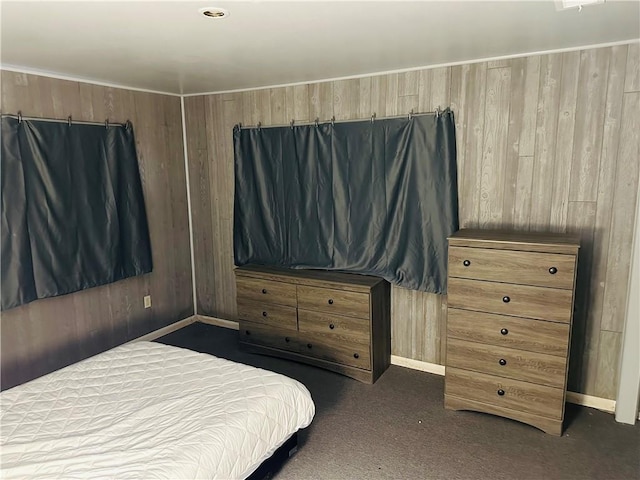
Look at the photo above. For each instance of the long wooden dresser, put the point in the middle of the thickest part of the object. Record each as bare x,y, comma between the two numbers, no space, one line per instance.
510,310
337,321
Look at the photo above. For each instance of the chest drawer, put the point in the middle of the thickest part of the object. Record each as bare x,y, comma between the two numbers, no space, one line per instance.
268,336
336,302
505,393
260,291
508,299
334,327
268,314
346,353
521,333
507,362
524,268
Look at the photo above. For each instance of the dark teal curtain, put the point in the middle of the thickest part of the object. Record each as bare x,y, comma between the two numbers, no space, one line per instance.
73,214
376,198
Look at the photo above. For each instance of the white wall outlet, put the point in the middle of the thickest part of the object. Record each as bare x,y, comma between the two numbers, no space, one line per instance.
147,301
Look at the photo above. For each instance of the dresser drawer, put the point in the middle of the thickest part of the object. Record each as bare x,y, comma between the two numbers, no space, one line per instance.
524,268
334,327
337,302
269,336
509,299
346,353
259,290
267,314
507,362
520,333
516,395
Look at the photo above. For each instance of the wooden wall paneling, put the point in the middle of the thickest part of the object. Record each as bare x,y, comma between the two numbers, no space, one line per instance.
48,334
378,95
443,330
545,145
433,331
424,91
471,143
606,179
278,103
150,122
580,221
364,98
632,78
457,94
289,104
301,103
250,110
526,145
200,187
391,103
608,364
225,183
522,204
594,65
408,99
346,99
561,179
516,104
494,146
440,86
214,265
264,106
400,302
176,179
321,101
624,202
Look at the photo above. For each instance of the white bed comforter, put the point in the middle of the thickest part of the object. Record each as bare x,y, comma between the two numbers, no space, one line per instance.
148,410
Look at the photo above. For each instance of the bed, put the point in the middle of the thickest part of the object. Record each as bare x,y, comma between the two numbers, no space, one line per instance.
148,410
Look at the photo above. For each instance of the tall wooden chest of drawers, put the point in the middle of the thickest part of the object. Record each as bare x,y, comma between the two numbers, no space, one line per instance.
333,320
510,310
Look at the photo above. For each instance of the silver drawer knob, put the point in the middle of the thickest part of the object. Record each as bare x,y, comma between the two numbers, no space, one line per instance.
553,270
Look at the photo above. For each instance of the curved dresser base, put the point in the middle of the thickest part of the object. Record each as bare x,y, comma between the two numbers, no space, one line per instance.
548,425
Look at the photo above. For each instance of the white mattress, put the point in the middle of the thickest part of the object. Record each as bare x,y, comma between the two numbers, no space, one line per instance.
148,410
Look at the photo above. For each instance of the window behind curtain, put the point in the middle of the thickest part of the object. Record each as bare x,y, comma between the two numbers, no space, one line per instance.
73,214
376,197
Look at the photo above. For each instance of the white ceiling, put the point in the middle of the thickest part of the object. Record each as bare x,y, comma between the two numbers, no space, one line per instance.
169,47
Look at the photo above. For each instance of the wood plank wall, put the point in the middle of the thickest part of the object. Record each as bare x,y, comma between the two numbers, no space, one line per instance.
45,335
545,142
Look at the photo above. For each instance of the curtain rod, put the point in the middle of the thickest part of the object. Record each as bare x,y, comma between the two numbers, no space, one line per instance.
68,120
333,120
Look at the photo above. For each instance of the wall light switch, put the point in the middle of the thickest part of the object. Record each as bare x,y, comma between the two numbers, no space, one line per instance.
147,301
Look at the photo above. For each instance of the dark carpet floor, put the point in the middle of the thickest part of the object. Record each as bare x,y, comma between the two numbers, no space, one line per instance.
399,429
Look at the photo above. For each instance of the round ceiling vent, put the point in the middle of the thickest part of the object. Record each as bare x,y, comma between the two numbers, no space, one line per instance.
214,12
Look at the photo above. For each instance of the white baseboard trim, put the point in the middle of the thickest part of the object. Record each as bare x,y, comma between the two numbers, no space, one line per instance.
165,330
417,365
218,322
599,403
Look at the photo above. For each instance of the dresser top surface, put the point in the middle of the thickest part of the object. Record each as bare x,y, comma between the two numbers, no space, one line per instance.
303,275
510,240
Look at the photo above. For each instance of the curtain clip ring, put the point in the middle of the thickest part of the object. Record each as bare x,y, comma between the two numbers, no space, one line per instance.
333,121
410,114
317,121
106,124
69,120
259,126
291,124
19,116
373,117
438,111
